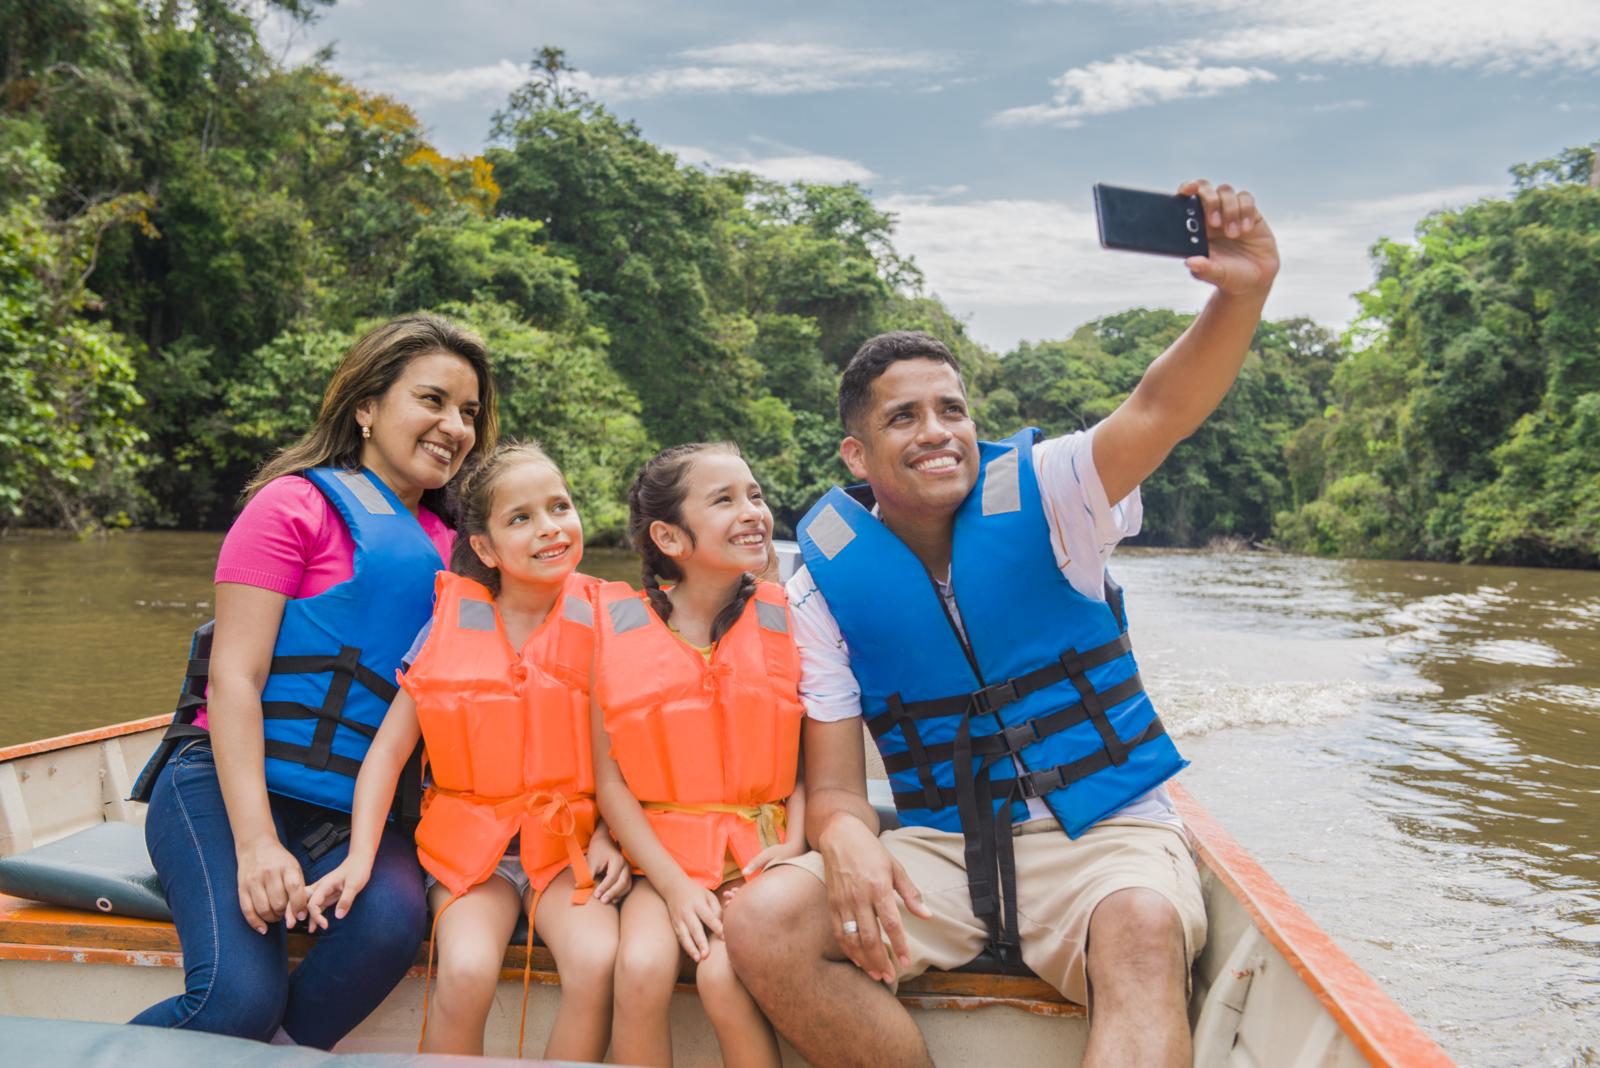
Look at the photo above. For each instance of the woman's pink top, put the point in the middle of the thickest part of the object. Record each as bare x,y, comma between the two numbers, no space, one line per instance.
290,540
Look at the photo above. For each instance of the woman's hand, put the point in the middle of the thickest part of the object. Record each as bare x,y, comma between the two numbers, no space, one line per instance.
342,884
612,875
271,886
694,912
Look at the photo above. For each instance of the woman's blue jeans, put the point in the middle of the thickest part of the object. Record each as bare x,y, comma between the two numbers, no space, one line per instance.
238,982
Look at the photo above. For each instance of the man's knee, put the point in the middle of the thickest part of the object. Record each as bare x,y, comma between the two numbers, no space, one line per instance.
768,919
1135,935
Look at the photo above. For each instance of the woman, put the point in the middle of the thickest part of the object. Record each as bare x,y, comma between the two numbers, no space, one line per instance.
322,583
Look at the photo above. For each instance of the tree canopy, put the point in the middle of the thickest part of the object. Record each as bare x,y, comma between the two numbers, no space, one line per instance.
192,233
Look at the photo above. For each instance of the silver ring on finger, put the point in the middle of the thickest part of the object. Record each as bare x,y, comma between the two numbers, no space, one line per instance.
850,927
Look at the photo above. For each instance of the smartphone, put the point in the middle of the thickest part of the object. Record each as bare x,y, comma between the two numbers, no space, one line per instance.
1140,221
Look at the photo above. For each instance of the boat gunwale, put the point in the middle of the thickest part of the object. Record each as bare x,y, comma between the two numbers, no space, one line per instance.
1378,1026
85,737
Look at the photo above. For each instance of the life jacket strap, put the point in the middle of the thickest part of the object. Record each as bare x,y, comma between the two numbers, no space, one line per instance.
916,755
1071,664
770,817
303,754
1035,784
1039,783
987,848
1011,739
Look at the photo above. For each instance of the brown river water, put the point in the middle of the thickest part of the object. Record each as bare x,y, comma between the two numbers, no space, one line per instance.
1413,750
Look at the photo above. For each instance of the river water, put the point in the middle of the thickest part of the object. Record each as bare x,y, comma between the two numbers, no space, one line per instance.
1413,750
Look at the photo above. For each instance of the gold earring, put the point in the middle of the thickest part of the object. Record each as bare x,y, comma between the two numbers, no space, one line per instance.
366,433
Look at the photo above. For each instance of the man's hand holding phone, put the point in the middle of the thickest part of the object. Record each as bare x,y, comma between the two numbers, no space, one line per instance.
1217,230
1242,258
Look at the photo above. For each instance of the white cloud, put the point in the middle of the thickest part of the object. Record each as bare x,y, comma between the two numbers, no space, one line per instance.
1243,36
766,68
1343,105
786,167
1034,268
416,85
1127,82
1489,35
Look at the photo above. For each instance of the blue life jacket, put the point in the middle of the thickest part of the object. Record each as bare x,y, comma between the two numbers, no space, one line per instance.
332,673
1043,675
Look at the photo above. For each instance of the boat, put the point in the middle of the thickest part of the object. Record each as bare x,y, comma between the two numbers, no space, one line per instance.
1270,988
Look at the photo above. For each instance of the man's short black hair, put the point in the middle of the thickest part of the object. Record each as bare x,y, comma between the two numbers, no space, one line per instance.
874,357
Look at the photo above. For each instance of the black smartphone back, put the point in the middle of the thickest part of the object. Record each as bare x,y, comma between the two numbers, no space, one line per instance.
1140,221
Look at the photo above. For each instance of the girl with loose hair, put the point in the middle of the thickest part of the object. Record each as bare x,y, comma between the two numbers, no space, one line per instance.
696,729
497,688
321,584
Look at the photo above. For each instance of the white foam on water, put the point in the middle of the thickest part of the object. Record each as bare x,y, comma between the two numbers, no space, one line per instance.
1517,651
1191,707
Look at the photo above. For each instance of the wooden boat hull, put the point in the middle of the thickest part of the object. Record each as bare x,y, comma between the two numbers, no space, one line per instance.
1270,987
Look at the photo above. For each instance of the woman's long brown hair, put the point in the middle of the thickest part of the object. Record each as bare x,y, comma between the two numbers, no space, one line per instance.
367,371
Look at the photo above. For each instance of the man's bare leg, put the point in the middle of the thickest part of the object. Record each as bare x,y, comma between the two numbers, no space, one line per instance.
1138,974
779,936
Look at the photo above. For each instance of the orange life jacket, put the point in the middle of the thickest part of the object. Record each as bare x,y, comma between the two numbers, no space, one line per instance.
709,749
507,737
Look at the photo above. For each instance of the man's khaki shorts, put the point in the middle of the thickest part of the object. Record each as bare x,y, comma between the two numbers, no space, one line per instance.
1059,882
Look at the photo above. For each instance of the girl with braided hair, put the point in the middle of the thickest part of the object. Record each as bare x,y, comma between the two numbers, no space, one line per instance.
697,739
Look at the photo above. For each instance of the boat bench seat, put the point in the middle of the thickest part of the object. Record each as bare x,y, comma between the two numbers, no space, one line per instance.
122,919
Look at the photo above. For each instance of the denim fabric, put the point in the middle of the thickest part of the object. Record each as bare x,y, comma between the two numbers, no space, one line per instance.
238,982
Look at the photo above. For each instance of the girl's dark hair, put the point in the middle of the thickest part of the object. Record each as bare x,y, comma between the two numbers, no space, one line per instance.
372,365
475,500
657,494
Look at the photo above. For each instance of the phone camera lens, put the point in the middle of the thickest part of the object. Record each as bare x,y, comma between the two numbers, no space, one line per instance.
1191,211
1193,225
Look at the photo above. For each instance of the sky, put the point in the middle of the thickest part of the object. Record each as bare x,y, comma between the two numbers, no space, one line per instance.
982,126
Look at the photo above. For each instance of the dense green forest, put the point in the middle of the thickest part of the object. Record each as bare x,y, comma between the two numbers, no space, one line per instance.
192,233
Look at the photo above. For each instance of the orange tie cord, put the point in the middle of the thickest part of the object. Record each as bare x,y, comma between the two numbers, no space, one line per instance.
427,975
555,816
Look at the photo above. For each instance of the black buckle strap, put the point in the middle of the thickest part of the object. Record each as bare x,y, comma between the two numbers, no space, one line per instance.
1037,783
347,662
301,754
1015,739
324,837
291,710
1071,664
914,749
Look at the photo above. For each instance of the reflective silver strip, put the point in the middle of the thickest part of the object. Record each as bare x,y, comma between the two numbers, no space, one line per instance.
475,615
772,617
829,532
1001,490
579,610
374,502
627,615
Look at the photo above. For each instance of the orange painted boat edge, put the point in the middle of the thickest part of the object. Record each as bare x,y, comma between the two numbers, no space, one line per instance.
1384,1032
94,734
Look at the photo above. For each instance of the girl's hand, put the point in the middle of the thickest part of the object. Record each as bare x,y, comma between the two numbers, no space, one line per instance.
612,876
774,853
342,884
694,911
271,886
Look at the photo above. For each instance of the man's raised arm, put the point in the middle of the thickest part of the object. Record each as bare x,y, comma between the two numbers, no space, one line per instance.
1185,384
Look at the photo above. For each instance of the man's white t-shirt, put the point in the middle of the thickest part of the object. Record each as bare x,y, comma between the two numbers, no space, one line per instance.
1084,529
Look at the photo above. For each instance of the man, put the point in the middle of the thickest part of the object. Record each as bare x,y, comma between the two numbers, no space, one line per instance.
963,609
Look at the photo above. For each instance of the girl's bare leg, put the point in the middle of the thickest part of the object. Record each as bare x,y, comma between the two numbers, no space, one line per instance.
647,969
746,1038
470,944
583,939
